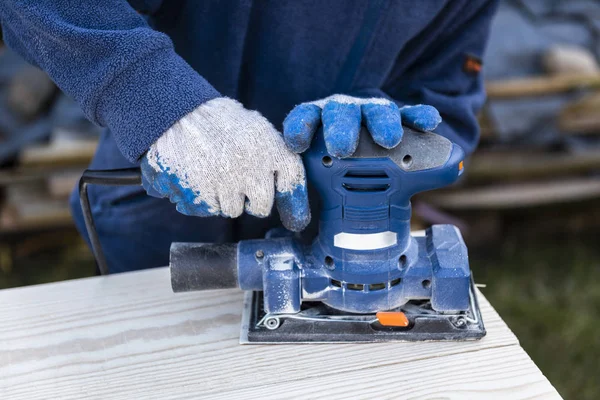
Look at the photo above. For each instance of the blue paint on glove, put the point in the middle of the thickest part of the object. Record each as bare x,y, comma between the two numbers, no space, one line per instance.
384,123
299,128
149,189
165,184
213,163
421,117
293,208
342,116
341,127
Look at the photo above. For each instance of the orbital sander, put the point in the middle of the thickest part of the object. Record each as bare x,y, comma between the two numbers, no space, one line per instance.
364,277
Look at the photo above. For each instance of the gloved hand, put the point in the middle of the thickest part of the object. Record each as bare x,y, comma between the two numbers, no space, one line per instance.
221,159
341,116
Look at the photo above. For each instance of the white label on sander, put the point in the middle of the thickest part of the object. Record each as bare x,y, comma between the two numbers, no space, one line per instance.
366,241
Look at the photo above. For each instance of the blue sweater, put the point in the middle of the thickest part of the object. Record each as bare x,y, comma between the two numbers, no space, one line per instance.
138,67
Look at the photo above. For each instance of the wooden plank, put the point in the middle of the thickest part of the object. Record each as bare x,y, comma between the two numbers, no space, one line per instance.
76,152
20,136
29,206
581,116
61,184
14,176
11,223
588,124
540,86
513,165
36,174
484,374
519,195
129,336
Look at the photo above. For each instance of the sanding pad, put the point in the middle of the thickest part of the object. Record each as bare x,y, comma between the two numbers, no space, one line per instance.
317,323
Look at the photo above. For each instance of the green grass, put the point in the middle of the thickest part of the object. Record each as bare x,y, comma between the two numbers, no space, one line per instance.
69,262
549,295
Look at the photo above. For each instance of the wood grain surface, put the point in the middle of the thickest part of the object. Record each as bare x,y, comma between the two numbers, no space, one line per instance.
128,336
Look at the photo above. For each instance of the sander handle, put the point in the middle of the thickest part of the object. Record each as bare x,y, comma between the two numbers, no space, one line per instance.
221,259
108,177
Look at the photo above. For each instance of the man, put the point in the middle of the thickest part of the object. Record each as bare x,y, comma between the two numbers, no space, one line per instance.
175,89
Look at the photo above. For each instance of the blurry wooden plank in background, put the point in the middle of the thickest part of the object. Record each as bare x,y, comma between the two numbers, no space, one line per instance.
75,154
581,116
540,86
514,165
29,206
513,195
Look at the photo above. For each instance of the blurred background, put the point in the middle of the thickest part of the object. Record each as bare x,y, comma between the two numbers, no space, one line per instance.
529,205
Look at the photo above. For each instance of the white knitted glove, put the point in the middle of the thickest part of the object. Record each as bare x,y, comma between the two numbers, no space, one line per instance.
342,116
221,159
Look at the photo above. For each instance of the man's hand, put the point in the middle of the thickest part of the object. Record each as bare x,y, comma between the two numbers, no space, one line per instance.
221,159
342,115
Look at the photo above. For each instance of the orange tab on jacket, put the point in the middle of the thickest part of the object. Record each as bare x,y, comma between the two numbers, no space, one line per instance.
472,64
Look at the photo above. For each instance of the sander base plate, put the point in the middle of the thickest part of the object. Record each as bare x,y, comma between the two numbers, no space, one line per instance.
318,323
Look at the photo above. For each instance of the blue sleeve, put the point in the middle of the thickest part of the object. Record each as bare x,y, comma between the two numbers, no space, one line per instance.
437,73
124,75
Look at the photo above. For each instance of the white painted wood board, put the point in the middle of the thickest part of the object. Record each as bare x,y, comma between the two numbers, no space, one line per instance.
128,336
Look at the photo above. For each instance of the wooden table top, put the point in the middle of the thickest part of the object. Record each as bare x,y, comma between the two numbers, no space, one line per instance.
128,336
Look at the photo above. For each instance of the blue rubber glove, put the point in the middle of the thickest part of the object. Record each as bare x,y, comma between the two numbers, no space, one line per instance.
222,159
342,115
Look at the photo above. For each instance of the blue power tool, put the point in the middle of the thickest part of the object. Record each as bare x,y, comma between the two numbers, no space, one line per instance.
364,277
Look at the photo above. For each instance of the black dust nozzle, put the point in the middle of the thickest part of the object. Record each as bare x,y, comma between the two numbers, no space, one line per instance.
203,266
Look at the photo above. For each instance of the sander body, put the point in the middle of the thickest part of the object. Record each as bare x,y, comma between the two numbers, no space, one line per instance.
364,278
